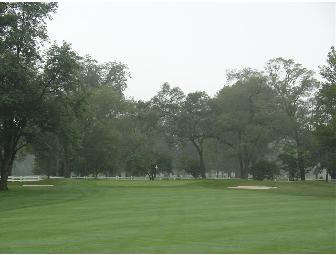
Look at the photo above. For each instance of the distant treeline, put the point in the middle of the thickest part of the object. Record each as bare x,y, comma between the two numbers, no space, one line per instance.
71,113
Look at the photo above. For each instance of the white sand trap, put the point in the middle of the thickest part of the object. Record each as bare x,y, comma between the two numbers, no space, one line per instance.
252,187
37,185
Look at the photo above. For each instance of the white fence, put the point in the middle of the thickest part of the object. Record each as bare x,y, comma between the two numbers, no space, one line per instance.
32,178
118,178
144,178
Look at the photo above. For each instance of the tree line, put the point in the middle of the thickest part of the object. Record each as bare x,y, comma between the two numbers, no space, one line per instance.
70,111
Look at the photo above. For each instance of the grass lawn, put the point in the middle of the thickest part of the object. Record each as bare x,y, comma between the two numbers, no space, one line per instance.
98,216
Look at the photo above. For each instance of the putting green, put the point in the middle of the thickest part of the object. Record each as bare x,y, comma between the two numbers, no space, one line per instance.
97,216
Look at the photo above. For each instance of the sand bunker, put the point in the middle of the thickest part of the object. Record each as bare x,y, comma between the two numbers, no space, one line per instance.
252,187
40,185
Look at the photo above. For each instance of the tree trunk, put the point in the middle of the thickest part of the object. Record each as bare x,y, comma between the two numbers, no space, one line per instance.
3,181
12,133
200,154
300,159
242,167
327,176
67,171
242,158
9,153
202,165
6,169
301,165
57,166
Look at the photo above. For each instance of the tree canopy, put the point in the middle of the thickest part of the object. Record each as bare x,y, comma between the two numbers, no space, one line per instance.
70,112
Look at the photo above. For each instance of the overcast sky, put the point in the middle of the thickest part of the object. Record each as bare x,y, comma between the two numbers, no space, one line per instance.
192,44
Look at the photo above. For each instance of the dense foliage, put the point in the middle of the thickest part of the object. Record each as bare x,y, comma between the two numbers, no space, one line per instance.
71,113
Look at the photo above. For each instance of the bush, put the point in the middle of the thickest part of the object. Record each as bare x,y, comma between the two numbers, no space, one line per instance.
264,170
191,166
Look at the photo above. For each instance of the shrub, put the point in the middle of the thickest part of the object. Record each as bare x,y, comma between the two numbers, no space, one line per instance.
264,170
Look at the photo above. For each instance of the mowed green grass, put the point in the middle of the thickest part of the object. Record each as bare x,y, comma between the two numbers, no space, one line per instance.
96,216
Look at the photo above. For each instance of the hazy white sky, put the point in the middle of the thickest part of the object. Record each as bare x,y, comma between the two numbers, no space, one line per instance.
192,44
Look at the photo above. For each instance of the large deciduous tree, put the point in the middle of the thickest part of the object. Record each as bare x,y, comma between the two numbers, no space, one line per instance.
245,117
294,86
23,89
92,138
326,115
146,147
194,124
38,89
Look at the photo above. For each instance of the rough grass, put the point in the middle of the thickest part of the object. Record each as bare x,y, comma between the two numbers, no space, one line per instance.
97,216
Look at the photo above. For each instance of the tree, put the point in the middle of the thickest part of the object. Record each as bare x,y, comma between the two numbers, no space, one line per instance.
110,74
294,87
149,163
66,103
191,166
23,89
221,157
326,115
86,135
193,123
167,105
167,102
288,160
245,117
264,169
99,136
149,152
47,151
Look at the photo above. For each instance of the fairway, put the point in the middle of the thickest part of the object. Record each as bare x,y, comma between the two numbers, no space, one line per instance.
97,216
